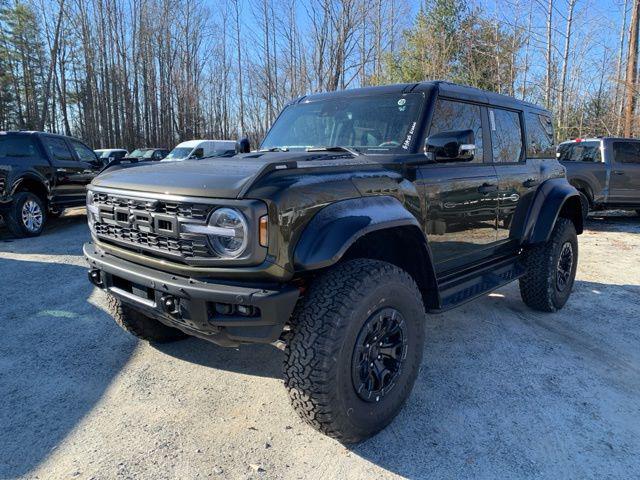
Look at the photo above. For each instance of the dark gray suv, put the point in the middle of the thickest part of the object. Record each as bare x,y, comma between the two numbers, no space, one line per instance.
606,172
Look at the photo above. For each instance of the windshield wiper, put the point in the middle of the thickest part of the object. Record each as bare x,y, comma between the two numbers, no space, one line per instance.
275,149
336,148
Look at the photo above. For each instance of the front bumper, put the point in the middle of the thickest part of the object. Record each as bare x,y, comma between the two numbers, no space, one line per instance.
222,313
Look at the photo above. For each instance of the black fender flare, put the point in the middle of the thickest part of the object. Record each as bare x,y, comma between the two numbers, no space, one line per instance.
550,199
336,227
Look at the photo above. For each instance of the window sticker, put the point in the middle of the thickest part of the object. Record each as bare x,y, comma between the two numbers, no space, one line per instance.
407,141
492,120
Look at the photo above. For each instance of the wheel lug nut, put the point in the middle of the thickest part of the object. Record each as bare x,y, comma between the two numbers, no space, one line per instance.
379,357
371,364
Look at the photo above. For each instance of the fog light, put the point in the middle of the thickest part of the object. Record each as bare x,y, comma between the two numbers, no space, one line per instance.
224,308
95,277
245,310
169,304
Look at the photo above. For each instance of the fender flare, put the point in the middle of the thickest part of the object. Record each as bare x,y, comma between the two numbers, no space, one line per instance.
30,176
551,197
339,225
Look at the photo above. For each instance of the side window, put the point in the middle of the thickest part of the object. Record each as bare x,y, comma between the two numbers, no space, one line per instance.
506,135
20,146
57,148
450,116
539,136
198,153
85,154
119,154
626,152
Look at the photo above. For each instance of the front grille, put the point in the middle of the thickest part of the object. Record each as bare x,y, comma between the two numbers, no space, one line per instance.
152,225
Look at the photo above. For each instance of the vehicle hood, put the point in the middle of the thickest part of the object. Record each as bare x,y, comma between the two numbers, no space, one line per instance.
214,178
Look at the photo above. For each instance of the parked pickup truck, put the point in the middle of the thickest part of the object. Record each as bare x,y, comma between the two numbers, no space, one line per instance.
42,174
606,172
361,210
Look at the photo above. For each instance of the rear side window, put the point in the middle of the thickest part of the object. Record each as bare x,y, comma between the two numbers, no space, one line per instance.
450,116
626,152
506,135
539,136
84,152
57,148
580,152
19,146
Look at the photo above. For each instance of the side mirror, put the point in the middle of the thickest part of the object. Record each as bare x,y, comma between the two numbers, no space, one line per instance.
454,146
243,145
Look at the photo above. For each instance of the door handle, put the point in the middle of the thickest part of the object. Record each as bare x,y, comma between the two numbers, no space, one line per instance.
61,170
618,172
530,183
487,188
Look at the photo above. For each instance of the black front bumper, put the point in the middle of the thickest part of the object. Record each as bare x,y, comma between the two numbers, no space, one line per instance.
201,308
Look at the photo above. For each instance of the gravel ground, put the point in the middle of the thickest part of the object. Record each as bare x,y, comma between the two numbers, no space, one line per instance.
504,392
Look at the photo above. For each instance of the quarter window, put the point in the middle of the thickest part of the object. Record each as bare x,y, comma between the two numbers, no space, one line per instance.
539,136
451,116
626,152
57,148
506,135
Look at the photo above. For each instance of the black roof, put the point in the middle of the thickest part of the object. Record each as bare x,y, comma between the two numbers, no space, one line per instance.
35,132
446,89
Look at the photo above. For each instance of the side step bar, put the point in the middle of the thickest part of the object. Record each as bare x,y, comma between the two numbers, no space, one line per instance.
460,289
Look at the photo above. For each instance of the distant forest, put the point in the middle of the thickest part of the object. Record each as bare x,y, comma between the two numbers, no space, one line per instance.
131,73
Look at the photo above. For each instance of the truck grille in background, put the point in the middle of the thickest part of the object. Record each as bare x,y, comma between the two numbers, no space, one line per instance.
136,236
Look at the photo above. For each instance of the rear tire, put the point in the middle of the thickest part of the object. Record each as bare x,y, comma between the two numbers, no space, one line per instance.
26,215
551,269
356,349
141,326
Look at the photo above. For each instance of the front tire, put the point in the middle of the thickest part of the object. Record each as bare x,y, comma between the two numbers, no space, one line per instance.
141,326
26,215
356,349
551,269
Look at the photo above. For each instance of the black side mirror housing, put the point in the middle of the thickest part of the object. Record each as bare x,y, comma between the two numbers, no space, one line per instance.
243,145
453,146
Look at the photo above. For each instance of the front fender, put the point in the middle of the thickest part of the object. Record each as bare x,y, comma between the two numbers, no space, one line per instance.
336,227
552,197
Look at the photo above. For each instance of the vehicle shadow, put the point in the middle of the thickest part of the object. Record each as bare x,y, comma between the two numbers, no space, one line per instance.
70,218
58,355
613,221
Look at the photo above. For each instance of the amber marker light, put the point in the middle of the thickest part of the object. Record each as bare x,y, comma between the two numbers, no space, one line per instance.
264,230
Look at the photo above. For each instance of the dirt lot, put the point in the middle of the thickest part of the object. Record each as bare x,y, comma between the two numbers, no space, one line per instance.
504,392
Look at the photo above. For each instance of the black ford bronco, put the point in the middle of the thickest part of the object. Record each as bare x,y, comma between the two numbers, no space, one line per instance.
361,211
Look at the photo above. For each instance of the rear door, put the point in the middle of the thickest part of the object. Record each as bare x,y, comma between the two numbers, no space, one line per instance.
624,184
461,197
518,176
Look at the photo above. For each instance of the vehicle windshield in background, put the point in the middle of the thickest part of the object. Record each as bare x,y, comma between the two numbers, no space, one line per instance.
138,153
368,124
178,153
579,152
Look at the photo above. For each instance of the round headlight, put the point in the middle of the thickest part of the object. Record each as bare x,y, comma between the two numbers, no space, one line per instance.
231,242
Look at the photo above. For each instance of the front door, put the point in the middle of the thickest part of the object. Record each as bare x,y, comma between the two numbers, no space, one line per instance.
461,197
624,183
70,174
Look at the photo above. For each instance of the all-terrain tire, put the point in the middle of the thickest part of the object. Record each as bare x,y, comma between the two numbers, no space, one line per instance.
140,325
16,221
325,352
585,204
546,286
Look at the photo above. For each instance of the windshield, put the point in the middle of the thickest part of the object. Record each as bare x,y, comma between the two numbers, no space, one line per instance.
178,152
370,124
138,153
